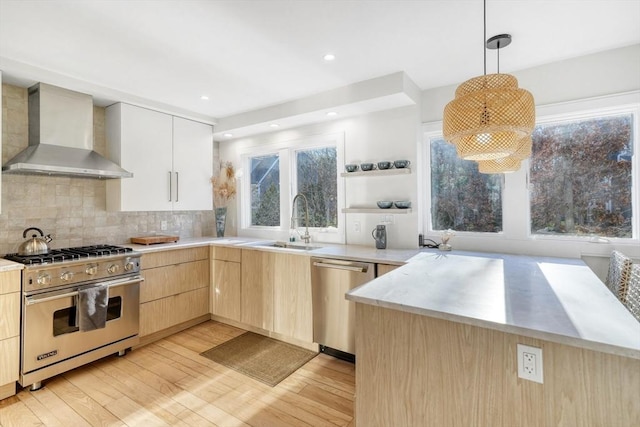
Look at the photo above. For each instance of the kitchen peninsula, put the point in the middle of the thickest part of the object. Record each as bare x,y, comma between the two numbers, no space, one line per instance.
437,339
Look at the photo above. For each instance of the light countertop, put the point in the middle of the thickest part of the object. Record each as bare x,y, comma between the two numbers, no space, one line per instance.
323,250
6,265
553,299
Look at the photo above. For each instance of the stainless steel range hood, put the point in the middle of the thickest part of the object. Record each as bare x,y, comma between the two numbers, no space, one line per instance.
61,137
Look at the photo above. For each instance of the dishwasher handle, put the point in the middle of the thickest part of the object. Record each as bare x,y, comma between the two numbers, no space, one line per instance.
358,268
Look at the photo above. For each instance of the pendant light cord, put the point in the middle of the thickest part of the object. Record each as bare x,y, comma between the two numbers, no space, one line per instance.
484,40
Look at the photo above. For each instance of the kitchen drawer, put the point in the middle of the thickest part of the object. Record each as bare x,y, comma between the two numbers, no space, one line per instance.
167,312
9,281
174,256
226,254
170,280
9,315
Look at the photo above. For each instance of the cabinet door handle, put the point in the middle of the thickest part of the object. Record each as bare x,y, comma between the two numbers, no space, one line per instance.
177,188
170,189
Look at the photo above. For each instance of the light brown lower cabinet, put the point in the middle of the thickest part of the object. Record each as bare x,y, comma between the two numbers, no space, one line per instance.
258,276
385,268
175,289
226,281
276,293
292,306
9,332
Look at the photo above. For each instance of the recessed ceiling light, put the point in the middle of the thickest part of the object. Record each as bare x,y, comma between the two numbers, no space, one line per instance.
332,113
228,135
274,125
204,97
329,57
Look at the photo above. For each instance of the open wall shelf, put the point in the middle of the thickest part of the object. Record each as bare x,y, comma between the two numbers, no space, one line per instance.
390,211
378,172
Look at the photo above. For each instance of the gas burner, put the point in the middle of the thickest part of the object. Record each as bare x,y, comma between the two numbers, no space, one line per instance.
69,254
99,250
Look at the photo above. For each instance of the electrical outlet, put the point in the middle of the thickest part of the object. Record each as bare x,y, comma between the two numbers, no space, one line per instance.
356,226
529,363
163,225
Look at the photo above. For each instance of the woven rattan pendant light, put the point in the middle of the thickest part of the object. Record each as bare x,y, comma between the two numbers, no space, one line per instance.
490,116
510,163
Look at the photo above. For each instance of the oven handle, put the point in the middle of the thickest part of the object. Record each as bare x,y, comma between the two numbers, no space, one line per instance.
112,284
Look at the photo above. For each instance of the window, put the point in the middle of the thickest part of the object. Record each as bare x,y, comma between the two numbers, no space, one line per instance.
580,186
278,170
265,190
581,181
316,176
462,198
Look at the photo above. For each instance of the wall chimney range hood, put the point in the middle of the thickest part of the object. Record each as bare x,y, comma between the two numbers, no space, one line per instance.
61,137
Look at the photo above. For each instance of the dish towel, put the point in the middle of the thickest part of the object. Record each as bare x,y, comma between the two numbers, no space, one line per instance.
92,308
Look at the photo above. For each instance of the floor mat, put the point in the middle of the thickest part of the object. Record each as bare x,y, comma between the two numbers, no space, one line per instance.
262,358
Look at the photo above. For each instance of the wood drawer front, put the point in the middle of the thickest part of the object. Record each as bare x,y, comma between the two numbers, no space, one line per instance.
162,282
226,254
174,256
9,281
10,357
167,312
9,315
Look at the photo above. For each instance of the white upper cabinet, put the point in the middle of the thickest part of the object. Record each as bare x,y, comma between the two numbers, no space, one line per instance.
170,158
192,165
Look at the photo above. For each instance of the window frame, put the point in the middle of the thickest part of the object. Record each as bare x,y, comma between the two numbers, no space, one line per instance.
516,236
287,151
246,201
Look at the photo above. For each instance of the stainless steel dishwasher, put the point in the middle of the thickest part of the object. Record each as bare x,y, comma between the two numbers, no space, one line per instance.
333,314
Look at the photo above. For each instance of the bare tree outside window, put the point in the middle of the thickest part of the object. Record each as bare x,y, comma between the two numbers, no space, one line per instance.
462,198
581,177
265,190
317,179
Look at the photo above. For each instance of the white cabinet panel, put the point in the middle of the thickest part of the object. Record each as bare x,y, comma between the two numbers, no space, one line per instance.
192,165
140,141
170,158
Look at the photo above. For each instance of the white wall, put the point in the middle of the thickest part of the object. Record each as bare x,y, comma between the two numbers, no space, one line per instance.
396,134
387,135
604,73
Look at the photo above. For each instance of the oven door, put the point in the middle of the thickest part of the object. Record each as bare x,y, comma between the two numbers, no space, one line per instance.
50,333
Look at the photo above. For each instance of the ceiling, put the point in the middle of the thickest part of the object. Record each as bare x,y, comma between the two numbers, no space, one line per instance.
249,55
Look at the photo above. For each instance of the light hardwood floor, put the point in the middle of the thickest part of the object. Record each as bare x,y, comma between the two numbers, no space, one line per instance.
169,383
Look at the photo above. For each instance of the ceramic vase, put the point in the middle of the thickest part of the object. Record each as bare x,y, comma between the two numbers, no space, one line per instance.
221,219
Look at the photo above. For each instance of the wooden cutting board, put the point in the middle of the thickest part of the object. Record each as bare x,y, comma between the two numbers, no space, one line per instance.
152,240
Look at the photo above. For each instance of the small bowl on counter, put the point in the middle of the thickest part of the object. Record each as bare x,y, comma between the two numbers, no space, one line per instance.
401,164
383,204
367,166
402,204
351,168
384,165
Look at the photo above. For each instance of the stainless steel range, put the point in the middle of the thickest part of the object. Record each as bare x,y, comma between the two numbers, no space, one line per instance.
63,293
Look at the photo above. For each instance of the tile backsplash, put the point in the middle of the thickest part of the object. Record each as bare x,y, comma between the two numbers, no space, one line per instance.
73,210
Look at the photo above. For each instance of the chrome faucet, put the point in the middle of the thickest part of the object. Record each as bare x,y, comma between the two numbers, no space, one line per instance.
306,236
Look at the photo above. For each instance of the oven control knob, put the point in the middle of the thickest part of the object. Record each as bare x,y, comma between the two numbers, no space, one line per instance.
129,266
66,276
44,279
113,268
91,270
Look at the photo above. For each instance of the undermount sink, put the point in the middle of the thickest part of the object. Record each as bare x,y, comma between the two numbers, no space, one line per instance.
299,247
286,245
